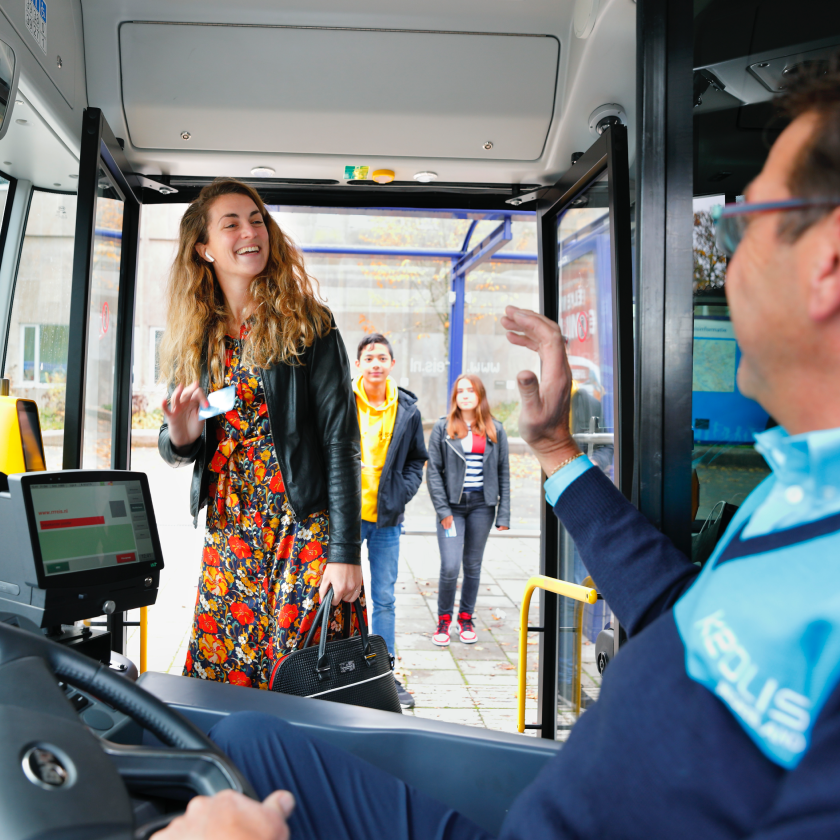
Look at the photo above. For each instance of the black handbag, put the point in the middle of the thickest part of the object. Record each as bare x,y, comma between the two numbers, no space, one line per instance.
357,670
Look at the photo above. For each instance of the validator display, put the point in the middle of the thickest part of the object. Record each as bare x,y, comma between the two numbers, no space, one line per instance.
77,544
90,525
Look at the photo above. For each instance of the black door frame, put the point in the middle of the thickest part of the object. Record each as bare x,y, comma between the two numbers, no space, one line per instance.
608,154
100,150
664,264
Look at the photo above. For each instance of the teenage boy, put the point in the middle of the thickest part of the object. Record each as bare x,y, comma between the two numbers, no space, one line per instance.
393,455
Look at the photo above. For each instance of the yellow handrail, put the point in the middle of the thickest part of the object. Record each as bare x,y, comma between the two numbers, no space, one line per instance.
560,587
144,627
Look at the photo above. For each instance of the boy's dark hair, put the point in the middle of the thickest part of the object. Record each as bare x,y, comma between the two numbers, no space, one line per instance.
816,172
374,338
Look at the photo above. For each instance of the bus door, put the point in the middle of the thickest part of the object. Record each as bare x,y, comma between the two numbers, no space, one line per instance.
586,285
98,401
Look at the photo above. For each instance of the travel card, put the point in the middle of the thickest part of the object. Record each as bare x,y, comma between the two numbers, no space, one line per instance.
221,402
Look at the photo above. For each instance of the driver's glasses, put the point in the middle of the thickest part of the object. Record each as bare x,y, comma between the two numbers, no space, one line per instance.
731,220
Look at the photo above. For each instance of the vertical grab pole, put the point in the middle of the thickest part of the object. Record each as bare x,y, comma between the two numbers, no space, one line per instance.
144,637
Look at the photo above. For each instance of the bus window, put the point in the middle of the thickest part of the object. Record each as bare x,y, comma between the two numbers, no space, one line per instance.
102,325
723,419
36,356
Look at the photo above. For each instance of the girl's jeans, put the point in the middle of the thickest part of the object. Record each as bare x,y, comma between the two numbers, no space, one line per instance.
473,521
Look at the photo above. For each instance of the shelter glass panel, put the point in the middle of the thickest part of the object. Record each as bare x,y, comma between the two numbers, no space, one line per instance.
509,277
36,357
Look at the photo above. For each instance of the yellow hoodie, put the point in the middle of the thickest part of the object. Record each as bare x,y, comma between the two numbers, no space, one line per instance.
377,427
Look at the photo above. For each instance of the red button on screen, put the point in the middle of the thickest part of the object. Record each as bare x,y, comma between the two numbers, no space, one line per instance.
126,558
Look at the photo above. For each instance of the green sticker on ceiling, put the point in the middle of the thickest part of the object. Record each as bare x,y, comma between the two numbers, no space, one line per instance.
356,173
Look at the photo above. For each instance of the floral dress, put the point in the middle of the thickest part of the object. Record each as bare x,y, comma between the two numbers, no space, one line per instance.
260,570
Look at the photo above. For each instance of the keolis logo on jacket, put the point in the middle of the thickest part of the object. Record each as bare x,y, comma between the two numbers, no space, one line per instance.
778,714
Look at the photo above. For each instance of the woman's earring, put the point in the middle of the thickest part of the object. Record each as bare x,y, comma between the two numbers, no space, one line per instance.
208,257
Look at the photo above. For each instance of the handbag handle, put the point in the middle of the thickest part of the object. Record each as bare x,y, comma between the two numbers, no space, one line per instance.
323,615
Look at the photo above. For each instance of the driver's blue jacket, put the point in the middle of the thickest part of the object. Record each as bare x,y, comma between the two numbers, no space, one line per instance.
720,718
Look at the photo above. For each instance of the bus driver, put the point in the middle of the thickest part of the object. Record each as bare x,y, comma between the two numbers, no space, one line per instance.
721,718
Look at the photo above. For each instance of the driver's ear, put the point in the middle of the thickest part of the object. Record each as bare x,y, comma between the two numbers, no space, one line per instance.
824,280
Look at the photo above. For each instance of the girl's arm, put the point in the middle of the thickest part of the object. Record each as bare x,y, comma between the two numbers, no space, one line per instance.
503,511
435,473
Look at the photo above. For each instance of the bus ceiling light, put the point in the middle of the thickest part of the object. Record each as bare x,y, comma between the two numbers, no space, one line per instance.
384,176
604,116
263,171
185,135
425,177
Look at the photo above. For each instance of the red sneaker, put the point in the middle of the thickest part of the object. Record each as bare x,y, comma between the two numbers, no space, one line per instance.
441,637
466,629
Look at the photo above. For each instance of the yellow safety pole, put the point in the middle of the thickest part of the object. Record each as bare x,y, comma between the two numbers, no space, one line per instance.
560,587
144,626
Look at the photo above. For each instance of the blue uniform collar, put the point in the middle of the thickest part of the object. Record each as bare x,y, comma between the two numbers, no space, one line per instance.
805,485
797,458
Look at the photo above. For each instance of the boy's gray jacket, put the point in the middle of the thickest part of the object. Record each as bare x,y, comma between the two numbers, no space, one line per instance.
448,468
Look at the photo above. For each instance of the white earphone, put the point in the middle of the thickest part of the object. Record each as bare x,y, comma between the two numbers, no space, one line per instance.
208,257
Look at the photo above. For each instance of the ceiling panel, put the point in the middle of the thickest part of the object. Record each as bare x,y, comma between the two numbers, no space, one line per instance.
386,93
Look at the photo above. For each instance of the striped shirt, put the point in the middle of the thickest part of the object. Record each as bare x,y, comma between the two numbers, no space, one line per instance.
473,446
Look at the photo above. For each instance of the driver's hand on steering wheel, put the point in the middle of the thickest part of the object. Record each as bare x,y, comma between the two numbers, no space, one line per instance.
231,816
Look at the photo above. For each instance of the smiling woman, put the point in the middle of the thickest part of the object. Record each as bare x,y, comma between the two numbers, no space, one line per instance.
280,471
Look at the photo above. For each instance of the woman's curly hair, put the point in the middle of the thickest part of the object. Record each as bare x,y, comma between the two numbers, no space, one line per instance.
286,318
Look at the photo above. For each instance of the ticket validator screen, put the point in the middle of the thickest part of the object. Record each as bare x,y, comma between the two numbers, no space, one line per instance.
87,526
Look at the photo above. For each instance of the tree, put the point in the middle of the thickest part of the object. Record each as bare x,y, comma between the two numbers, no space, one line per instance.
709,262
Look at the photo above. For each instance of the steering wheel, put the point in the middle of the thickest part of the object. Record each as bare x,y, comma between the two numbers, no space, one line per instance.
59,780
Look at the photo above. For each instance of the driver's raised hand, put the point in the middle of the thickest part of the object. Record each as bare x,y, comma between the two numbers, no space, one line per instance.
544,417
231,816
181,413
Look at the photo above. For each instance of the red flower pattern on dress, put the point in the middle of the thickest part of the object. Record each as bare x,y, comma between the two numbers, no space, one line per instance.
310,551
258,570
242,613
207,623
288,614
211,556
285,547
239,547
276,484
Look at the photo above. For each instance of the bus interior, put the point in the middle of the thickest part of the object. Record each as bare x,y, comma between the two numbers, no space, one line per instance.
434,163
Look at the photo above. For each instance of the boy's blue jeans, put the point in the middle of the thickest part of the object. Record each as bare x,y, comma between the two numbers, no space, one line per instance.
384,556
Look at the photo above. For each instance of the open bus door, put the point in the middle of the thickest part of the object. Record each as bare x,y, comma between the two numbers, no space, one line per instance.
586,285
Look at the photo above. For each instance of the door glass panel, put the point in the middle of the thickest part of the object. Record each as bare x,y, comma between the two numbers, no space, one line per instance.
586,318
102,326
36,357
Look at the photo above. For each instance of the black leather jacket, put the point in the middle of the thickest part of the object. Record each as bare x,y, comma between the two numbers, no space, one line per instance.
312,415
447,470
